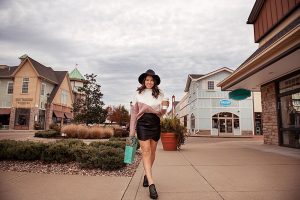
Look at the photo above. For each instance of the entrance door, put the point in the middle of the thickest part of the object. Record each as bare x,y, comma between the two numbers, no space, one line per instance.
229,125
225,122
222,126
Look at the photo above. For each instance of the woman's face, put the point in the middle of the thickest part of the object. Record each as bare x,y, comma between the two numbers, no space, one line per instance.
149,82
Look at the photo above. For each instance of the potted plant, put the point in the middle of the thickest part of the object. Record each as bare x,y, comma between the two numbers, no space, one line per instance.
172,134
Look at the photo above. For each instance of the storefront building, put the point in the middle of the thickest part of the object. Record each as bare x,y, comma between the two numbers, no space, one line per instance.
206,110
274,69
34,96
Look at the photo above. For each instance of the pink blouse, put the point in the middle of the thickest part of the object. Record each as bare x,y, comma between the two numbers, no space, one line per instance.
145,103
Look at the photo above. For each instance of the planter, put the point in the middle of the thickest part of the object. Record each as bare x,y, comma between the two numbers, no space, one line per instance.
169,141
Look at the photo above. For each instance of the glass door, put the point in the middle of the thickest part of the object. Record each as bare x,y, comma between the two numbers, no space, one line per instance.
222,126
229,125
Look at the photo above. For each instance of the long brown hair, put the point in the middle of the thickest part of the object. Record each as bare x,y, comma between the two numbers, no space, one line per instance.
155,89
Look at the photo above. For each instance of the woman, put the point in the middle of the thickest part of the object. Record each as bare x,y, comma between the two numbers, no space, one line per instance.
145,121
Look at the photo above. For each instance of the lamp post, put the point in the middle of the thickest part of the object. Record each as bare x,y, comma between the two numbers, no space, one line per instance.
47,112
173,106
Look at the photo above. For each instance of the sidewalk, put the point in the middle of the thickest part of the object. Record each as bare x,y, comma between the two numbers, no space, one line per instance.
216,169
205,168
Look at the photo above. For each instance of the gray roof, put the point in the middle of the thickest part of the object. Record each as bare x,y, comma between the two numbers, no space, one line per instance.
60,75
46,72
6,71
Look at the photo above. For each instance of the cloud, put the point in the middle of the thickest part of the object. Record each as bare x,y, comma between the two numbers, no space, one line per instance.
118,40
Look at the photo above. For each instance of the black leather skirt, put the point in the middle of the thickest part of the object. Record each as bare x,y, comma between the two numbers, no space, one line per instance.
148,127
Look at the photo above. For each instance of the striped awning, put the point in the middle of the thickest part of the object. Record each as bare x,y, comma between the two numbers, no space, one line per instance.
4,111
58,114
69,115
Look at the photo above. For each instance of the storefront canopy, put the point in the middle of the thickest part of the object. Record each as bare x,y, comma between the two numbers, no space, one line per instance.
4,111
58,114
69,115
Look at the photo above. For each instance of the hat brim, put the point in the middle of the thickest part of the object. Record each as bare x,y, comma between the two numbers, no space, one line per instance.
143,76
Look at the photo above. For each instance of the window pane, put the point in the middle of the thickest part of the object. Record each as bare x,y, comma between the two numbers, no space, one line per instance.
291,138
25,87
210,85
290,111
10,88
43,89
290,84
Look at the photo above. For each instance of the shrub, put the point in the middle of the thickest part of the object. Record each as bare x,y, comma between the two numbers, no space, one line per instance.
55,127
115,144
72,142
112,158
117,139
29,150
46,134
106,159
7,149
121,133
21,150
58,151
105,155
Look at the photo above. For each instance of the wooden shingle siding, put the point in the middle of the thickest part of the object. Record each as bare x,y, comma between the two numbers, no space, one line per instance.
270,14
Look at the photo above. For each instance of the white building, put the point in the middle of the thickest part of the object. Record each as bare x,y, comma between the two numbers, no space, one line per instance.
207,110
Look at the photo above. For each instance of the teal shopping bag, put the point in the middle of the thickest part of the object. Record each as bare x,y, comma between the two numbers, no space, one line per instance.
130,149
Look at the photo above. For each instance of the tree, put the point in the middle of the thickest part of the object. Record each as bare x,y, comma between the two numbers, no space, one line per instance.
89,108
120,115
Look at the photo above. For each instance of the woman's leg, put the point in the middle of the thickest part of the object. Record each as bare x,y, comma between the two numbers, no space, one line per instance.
147,159
153,145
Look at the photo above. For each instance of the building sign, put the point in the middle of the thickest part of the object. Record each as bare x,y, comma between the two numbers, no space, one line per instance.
225,102
24,101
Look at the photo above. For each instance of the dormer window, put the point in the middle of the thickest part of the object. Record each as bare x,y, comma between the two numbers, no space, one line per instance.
210,85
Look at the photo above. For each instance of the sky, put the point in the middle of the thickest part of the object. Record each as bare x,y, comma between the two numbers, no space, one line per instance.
118,40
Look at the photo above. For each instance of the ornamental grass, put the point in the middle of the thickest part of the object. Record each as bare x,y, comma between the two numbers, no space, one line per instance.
84,132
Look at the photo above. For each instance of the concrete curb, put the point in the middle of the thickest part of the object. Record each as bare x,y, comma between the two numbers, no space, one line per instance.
134,184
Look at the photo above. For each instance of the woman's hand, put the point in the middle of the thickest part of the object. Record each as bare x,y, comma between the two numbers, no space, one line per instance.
165,103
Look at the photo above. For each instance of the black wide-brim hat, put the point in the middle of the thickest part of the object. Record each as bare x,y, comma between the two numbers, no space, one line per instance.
149,72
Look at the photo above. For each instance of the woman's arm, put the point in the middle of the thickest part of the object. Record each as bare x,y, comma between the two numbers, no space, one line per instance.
134,110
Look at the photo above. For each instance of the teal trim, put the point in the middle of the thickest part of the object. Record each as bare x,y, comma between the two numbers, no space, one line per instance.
75,74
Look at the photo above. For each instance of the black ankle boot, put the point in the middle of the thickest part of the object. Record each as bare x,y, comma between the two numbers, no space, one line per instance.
153,192
145,183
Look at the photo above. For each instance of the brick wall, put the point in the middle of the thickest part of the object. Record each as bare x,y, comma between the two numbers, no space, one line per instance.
269,114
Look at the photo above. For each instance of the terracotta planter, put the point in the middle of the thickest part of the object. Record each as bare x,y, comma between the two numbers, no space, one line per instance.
169,141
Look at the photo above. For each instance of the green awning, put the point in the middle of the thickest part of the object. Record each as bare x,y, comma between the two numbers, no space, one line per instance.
239,94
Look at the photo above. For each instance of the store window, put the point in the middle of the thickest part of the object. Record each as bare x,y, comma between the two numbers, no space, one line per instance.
22,117
289,100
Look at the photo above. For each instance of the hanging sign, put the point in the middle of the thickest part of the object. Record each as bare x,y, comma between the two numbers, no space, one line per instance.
225,102
239,94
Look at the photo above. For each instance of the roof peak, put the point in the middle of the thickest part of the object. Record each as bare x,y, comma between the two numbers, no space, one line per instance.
75,74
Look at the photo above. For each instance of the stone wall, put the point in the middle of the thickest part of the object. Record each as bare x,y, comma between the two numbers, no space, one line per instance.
34,113
12,118
269,114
